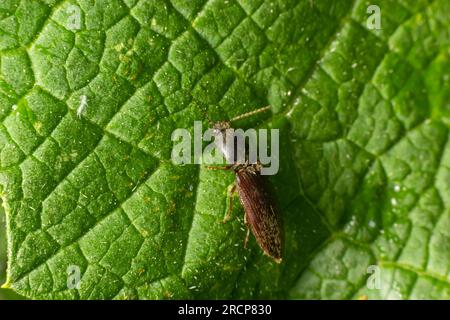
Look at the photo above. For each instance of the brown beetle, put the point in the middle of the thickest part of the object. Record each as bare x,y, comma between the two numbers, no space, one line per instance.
261,214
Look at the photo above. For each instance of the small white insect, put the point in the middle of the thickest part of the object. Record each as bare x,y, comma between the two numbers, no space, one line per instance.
83,105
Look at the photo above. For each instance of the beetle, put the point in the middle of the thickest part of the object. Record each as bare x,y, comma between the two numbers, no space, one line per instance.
261,214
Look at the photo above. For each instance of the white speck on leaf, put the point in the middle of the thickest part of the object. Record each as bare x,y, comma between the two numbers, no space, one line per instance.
291,69
83,105
394,202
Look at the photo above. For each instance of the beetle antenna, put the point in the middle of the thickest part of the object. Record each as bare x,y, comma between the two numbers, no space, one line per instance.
250,113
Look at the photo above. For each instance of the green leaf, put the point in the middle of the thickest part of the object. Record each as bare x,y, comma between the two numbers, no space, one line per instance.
5,294
88,104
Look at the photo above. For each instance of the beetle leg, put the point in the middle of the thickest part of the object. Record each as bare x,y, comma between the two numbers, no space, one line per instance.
227,167
230,208
247,236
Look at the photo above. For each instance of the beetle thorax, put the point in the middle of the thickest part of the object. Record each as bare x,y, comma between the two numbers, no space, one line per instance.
224,140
